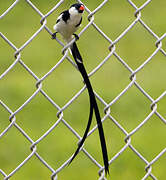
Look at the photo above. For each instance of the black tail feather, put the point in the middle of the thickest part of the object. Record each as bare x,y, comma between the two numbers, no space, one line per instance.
93,105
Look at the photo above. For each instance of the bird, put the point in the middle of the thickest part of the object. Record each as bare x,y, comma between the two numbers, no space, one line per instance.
67,24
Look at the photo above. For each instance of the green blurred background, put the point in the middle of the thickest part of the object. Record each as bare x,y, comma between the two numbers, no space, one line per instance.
39,115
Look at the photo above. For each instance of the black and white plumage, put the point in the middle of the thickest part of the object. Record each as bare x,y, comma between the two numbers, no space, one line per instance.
69,21
67,24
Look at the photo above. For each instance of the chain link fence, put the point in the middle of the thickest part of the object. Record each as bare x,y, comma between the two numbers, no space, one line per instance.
154,107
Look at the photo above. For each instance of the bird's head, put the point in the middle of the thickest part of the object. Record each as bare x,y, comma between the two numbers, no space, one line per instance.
77,8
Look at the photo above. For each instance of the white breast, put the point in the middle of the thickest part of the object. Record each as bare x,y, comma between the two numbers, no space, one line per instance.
67,29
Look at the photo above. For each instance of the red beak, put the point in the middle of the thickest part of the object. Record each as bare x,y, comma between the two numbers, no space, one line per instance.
81,8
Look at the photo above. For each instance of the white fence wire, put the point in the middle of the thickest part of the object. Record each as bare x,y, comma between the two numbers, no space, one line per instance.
18,58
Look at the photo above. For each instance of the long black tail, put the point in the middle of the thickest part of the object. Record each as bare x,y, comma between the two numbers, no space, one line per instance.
93,105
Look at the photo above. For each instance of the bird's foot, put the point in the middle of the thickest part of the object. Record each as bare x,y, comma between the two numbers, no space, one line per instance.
76,36
54,35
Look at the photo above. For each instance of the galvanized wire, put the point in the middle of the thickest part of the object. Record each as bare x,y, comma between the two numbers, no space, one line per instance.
107,105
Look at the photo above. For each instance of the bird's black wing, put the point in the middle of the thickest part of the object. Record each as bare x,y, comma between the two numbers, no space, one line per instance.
65,16
79,22
93,105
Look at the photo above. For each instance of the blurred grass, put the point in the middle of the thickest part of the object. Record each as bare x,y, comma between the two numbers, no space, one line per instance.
39,115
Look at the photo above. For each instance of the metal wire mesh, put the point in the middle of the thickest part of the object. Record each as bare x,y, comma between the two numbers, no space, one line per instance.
108,102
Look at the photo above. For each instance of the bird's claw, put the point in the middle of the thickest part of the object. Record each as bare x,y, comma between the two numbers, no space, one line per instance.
54,35
76,36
